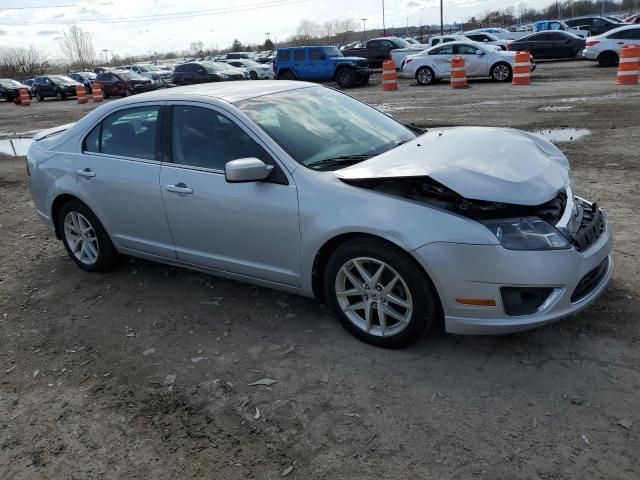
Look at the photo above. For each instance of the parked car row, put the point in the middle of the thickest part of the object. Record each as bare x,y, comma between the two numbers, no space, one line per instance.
9,89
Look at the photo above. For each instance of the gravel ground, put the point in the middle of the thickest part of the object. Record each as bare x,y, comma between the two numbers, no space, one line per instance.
145,372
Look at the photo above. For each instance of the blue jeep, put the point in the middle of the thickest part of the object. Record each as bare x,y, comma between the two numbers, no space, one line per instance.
321,64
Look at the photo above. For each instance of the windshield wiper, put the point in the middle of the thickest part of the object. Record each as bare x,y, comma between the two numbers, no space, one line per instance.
341,160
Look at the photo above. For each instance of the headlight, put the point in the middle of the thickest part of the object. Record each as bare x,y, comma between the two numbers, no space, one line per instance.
529,233
223,75
155,76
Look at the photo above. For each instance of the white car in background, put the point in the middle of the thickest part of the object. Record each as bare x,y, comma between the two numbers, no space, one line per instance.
157,74
257,71
605,48
487,39
481,61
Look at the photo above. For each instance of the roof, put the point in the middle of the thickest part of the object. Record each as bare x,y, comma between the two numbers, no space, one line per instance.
231,92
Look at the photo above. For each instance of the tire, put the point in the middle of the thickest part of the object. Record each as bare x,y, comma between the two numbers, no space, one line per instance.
39,97
425,76
501,72
59,96
346,78
286,75
77,213
127,93
412,287
253,75
608,59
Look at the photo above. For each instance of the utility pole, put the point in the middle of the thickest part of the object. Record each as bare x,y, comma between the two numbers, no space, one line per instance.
441,18
364,29
384,28
602,9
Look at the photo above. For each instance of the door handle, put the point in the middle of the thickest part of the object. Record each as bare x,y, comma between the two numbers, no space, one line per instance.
86,173
620,43
179,188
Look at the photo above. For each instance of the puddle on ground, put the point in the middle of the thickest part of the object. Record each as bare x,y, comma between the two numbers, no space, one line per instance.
558,135
555,108
15,146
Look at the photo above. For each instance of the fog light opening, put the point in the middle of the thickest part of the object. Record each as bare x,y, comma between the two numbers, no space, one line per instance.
518,301
481,302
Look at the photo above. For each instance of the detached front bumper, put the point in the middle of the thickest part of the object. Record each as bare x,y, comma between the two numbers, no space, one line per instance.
459,271
590,54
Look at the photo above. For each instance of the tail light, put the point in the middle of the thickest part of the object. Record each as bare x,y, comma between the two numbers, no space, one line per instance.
592,43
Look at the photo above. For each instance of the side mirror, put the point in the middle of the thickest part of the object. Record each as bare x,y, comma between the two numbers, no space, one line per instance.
246,170
479,53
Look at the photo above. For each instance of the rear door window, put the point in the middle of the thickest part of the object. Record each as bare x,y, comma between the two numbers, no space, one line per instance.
127,133
298,55
444,50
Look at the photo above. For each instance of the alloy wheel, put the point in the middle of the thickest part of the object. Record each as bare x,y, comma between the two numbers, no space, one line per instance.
373,296
425,77
501,73
81,238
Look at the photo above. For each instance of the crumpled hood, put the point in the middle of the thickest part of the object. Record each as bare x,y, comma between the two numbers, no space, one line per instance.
479,163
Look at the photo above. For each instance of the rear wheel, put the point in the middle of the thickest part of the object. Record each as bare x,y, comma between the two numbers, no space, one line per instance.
39,97
253,75
425,76
286,75
378,293
59,95
501,72
85,239
346,78
608,59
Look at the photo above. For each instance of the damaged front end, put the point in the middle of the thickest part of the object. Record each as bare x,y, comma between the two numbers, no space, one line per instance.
566,220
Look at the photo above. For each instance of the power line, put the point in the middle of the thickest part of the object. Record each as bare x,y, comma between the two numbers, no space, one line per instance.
168,16
37,7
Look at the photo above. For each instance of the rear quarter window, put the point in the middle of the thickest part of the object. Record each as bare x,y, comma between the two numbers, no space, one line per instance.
284,56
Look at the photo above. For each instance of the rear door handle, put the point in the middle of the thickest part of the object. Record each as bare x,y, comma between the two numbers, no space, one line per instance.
179,188
86,173
620,43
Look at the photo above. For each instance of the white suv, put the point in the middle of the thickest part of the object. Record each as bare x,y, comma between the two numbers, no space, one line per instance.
605,48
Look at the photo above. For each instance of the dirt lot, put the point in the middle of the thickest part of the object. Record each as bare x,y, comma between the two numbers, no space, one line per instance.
84,358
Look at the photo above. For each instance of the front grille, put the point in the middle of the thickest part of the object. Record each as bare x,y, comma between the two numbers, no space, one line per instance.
591,228
363,63
590,281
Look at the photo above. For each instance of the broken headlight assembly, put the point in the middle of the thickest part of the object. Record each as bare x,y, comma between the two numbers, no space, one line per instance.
530,233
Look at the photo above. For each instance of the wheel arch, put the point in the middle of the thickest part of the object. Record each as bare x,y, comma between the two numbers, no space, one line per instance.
286,69
341,67
324,252
57,205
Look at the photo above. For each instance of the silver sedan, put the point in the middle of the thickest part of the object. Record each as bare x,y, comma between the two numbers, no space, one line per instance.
302,188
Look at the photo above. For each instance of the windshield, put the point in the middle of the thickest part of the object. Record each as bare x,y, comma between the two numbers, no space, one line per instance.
398,42
315,124
213,67
129,75
333,52
62,80
146,68
251,63
9,83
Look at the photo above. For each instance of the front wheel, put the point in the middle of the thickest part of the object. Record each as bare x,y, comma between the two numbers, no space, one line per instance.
425,76
253,75
59,96
501,72
85,239
287,75
39,97
346,78
379,293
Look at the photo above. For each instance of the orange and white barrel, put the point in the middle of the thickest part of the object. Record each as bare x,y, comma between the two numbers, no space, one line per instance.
96,92
389,76
522,68
458,73
81,93
629,67
23,99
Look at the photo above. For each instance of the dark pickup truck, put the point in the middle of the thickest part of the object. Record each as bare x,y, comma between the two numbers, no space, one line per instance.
377,50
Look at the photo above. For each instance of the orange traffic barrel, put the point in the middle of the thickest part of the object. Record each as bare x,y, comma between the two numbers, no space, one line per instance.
458,73
522,68
23,98
81,93
389,77
96,92
629,67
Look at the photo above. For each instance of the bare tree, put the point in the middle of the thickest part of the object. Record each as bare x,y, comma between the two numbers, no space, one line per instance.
196,48
77,46
22,63
308,30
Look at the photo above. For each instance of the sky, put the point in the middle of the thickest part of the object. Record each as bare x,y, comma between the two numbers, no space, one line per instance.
169,25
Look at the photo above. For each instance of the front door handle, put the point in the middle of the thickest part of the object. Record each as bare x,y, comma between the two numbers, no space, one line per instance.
86,173
179,188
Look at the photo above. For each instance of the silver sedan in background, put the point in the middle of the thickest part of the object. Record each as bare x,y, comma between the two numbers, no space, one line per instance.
305,189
